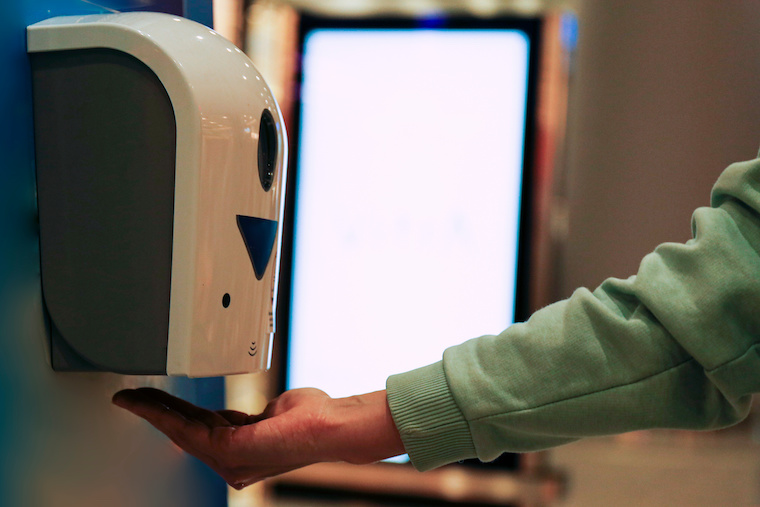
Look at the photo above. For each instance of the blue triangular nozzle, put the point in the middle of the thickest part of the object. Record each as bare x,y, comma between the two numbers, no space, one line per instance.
258,235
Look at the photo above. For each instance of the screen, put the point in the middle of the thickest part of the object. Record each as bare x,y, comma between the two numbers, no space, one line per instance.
407,203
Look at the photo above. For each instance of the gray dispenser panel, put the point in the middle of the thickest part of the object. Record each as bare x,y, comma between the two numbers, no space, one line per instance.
105,152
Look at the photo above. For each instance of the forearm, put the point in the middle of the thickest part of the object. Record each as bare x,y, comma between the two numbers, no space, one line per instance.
674,346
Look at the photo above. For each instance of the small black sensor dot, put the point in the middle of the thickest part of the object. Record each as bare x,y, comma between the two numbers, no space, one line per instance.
226,300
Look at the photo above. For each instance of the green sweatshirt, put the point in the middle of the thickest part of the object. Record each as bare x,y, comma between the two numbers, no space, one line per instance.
675,346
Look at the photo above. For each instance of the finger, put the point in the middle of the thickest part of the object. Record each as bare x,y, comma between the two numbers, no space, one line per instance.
187,433
156,397
234,417
192,436
252,419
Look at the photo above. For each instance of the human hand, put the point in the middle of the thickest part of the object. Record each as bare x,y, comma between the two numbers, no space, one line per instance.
298,428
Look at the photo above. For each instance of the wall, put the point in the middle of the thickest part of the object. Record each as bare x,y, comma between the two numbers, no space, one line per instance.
665,95
63,444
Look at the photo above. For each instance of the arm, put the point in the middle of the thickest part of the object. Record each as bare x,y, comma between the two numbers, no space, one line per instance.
301,427
674,346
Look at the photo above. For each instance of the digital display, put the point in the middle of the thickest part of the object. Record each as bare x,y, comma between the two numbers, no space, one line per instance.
407,204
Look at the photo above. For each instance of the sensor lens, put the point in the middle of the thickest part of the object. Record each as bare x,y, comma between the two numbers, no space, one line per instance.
267,149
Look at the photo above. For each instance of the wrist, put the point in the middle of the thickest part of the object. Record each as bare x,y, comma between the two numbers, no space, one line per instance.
361,429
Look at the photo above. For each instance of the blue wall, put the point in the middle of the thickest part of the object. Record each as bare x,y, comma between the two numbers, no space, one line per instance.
62,442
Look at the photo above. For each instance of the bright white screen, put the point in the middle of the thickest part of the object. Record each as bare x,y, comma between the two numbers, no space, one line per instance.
408,199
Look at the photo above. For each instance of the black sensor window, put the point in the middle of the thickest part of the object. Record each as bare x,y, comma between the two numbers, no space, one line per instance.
267,149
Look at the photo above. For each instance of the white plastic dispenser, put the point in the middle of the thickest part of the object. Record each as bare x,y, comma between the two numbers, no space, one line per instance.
161,156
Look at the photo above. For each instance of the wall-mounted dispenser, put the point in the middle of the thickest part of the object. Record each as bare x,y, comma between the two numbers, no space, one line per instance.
160,156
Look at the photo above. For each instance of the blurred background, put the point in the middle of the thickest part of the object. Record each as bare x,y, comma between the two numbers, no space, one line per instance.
635,109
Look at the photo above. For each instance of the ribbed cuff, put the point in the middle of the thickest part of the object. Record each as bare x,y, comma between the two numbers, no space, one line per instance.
432,427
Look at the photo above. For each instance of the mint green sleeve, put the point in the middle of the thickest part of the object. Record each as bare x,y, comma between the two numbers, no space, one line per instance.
675,346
